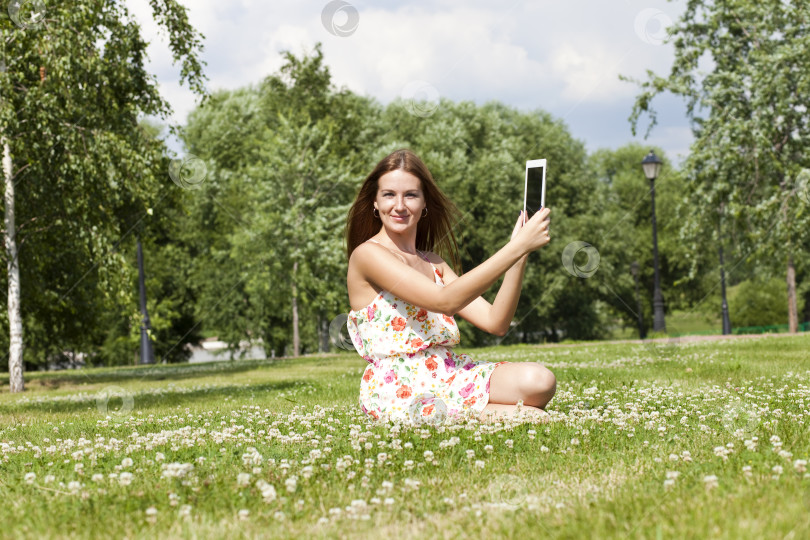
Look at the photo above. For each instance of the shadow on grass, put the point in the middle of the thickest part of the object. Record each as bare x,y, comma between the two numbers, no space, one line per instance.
53,380
153,401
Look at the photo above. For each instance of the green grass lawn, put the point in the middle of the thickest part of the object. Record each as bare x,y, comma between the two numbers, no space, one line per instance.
669,440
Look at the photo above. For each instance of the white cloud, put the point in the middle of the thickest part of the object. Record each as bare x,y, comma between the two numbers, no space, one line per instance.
559,56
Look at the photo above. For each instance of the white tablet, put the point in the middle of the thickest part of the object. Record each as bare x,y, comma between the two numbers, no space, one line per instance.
534,192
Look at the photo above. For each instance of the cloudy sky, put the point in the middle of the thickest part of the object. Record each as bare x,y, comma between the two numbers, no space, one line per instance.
563,57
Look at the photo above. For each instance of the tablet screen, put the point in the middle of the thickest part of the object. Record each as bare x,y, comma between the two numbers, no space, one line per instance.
535,186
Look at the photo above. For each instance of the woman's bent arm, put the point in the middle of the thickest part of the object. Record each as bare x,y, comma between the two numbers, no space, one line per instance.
382,268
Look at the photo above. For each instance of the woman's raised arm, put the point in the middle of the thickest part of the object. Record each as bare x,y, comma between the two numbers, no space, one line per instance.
380,267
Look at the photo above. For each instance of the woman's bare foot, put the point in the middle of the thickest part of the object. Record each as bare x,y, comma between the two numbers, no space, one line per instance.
498,412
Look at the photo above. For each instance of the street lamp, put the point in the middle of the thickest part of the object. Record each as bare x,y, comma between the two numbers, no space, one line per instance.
147,354
726,318
652,166
634,270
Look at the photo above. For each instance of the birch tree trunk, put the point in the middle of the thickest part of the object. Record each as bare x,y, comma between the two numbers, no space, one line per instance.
15,352
793,315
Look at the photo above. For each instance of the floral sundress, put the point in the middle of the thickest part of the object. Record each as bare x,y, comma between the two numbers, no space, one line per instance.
413,374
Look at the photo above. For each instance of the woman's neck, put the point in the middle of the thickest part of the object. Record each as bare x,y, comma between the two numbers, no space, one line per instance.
405,244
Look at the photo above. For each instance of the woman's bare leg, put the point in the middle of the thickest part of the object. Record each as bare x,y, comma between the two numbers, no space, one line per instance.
495,412
530,382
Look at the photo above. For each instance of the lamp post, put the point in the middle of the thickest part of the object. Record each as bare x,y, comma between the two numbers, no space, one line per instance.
726,318
634,270
147,355
652,166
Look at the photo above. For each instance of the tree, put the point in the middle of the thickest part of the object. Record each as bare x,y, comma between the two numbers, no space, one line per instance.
283,170
74,88
750,122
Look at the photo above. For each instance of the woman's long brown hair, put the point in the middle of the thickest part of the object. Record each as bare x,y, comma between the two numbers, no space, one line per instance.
434,232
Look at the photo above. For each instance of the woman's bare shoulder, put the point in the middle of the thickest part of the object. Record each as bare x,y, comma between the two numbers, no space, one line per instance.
370,253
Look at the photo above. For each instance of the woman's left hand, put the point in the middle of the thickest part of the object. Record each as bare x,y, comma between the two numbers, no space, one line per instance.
521,220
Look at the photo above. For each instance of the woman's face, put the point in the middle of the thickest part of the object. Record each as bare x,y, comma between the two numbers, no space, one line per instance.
400,200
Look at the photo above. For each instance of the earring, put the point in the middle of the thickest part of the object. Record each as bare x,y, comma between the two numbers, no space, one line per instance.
376,215
423,215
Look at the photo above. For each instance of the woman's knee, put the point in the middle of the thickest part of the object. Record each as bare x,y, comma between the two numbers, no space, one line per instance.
540,381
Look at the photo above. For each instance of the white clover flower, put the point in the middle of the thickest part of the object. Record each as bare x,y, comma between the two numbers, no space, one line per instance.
74,486
30,477
151,514
668,483
242,479
126,462
509,442
185,510
470,454
777,469
480,463
388,501
673,474
544,449
575,441
125,479
97,478
710,481
243,514
291,483
49,478
159,456
800,465
488,449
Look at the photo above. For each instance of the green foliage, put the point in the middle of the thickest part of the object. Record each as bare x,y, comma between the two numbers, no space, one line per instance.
741,67
758,302
88,176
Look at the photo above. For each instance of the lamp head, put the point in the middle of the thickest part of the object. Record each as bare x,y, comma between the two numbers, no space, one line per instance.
651,165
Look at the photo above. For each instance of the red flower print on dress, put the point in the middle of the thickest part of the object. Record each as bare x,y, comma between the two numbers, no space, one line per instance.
427,411
448,381
368,375
404,392
417,342
430,363
390,376
398,323
450,320
421,316
469,402
467,390
371,310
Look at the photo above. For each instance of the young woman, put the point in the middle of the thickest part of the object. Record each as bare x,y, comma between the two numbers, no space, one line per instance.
403,298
